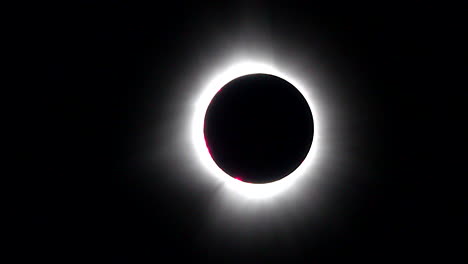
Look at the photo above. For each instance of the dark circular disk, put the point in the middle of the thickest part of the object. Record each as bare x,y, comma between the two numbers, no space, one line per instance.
258,128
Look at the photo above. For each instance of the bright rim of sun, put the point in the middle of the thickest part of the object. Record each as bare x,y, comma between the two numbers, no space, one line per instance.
248,190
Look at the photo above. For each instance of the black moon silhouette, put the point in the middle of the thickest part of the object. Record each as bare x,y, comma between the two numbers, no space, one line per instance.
258,128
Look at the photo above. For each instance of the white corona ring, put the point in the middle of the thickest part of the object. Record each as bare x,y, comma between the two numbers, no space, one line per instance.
249,190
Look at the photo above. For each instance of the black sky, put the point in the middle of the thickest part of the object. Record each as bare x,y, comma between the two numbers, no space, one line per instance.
89,200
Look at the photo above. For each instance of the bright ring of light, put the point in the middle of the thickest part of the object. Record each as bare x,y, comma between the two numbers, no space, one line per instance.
249,190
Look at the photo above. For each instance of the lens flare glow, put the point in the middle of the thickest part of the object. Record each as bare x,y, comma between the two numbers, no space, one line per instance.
250,190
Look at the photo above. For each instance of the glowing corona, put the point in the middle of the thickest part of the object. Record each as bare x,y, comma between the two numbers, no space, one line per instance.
248,190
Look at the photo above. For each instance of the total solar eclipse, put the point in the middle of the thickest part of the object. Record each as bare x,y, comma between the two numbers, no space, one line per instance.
258,128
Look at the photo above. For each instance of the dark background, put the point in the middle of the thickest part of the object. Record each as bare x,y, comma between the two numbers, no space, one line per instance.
83,198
